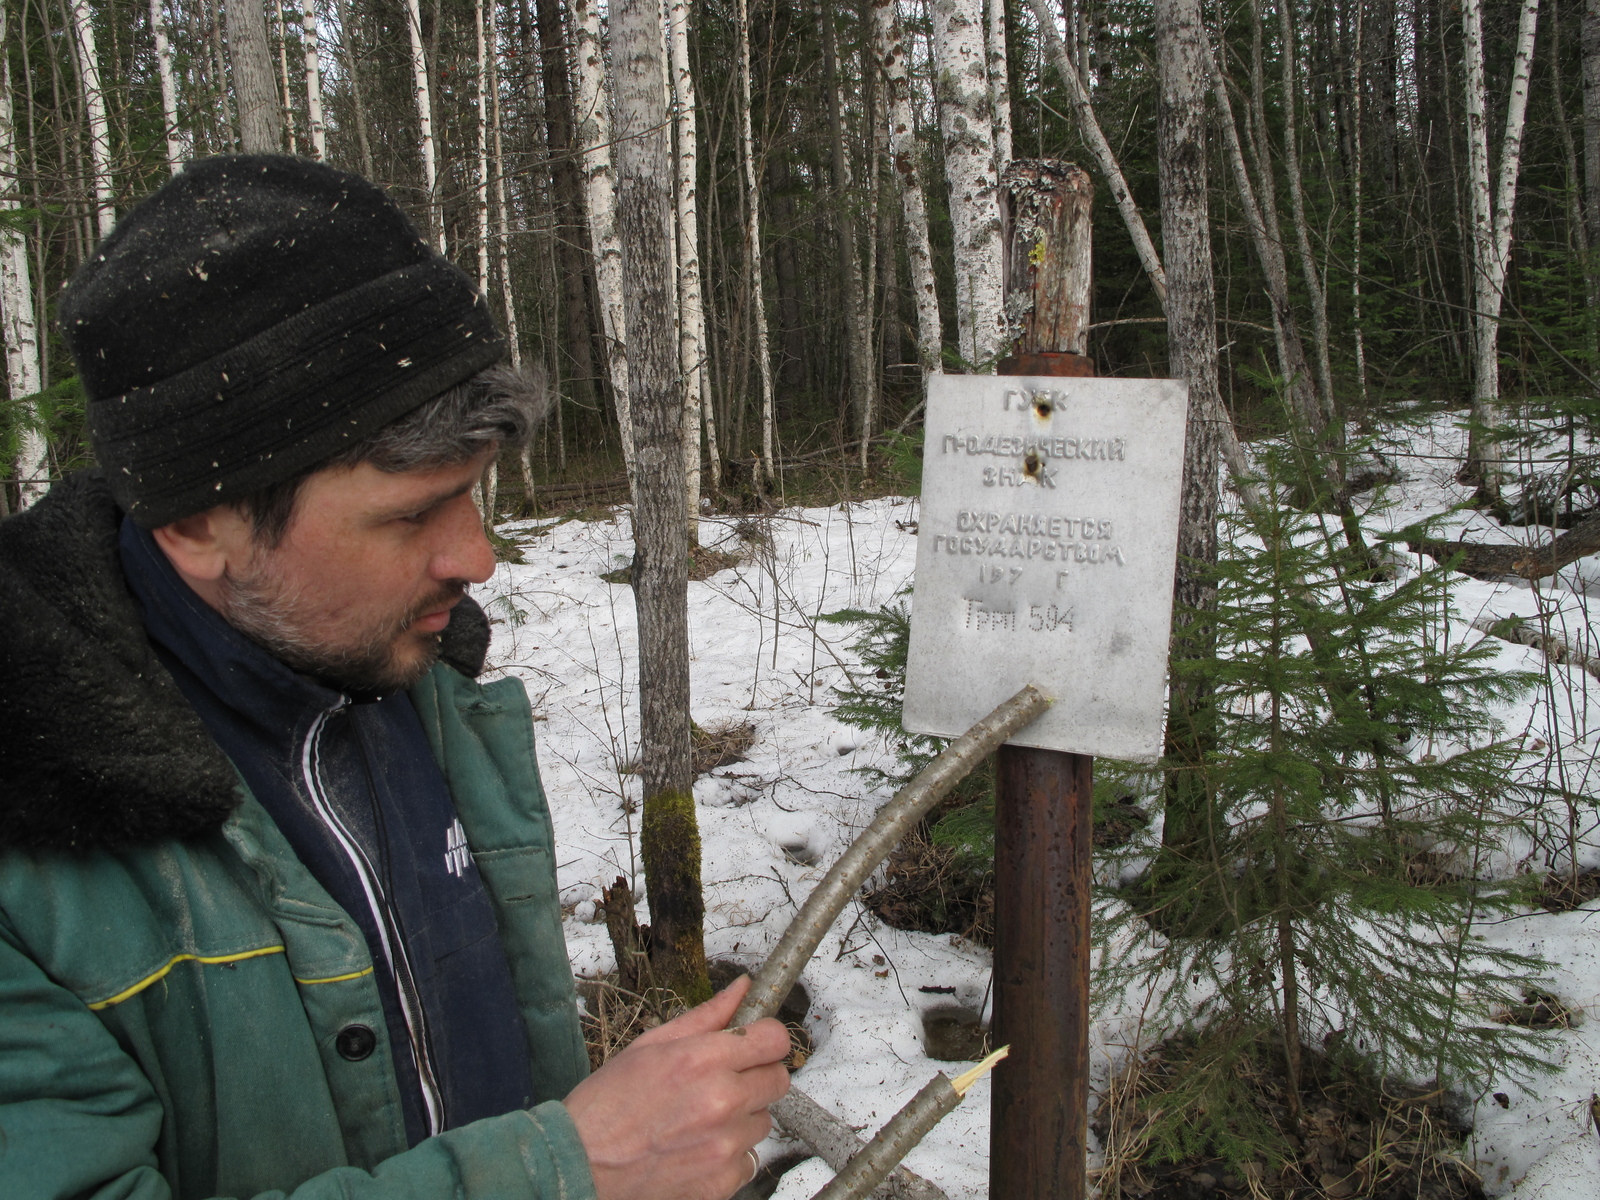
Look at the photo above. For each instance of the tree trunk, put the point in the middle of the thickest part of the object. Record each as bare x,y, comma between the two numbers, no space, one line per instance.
227,112
904,154
566,201
670,835
94,107
697,412
594,135
422,95
994,38
317,134
752,241
260,118
1591,140
480,190
1297,209
1182,63
964,108
287,107
1491,234
347,43
16,307
177,153
1089,129
1268,247
858,343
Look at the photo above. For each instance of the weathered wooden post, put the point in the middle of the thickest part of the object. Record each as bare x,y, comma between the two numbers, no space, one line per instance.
1043,828
1045,554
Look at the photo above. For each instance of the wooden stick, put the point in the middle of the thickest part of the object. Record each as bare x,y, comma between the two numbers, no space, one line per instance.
938,1097
894,820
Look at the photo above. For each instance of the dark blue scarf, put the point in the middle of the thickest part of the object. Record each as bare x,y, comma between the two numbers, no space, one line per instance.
353,785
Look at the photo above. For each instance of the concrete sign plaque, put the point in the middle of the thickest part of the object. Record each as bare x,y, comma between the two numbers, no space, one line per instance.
1045,554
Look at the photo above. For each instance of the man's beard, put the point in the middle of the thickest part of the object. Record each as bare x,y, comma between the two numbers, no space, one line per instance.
368,662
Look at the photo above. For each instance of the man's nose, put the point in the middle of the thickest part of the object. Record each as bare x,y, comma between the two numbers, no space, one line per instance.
464,551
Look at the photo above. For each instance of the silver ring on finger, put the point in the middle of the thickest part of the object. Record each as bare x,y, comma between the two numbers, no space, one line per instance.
755,1167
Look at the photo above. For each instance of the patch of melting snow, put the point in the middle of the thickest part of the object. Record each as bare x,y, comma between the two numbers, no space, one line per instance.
772,823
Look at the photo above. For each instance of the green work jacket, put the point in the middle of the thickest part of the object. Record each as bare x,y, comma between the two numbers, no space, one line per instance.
170,1012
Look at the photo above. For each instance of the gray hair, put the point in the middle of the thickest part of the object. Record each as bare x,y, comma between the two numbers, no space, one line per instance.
499,406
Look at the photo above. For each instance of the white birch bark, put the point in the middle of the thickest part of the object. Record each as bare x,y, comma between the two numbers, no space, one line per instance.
691,302
502,212
904,153
318,134
752,237
94,107
593,120
16,306
964,110
999,81
422,93
1490,223
177,151
260,117
480,198
283,72
1105,158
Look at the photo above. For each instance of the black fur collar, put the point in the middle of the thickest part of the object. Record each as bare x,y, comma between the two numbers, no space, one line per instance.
97,745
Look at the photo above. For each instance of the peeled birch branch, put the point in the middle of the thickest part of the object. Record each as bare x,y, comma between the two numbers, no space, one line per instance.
894,820
835,1143
938,1097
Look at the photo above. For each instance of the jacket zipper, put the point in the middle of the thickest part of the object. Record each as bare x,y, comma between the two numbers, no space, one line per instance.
394,950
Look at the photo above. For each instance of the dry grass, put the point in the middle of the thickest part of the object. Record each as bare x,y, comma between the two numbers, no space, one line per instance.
613,1016
1352,1142
720,743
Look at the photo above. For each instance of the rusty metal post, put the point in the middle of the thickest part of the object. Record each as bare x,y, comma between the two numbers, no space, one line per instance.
1043,824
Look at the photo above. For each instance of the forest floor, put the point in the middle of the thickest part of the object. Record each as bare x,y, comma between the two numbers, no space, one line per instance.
776,815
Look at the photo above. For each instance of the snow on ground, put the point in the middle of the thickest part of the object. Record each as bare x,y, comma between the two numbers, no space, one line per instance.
771,824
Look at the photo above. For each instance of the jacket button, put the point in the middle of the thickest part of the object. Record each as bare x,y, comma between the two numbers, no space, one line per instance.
355,1042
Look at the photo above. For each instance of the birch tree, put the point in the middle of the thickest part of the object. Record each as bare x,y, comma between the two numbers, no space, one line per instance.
994,37
965,108
670,838
593,121
691,301
422,94
503,232
94,108
480,204
16,306
260,117
1490,225
1105,158
1267,243
177,152
283,73
752,246
315,130
904,154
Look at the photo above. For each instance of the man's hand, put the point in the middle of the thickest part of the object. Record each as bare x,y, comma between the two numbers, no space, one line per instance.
670,1117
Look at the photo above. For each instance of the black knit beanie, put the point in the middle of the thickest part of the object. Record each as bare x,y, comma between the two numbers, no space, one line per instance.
253,318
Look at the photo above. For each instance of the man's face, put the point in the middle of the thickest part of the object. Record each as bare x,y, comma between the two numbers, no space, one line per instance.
363,581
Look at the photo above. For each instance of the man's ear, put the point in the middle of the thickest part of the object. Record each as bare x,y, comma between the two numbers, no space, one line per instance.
201,547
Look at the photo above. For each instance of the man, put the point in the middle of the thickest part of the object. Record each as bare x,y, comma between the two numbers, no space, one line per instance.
278,908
